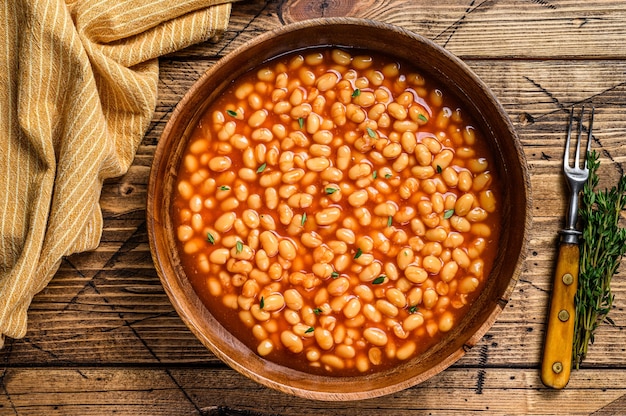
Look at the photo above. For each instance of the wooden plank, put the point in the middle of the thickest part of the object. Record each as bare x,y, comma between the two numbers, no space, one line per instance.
93,392
484,29
156,391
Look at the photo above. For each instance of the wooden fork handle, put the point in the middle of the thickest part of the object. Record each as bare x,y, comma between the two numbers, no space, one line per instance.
557,353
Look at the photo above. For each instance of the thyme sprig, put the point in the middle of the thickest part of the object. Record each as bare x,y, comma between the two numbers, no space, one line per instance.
602,248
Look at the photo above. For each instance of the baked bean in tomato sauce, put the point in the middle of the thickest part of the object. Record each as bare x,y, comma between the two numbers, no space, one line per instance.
337,211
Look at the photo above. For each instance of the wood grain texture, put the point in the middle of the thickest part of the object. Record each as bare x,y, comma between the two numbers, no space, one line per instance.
167,391
104,338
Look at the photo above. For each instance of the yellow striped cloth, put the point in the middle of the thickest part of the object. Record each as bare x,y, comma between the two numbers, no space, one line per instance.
78,88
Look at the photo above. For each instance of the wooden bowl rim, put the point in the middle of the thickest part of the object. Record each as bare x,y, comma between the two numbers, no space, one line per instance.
231,350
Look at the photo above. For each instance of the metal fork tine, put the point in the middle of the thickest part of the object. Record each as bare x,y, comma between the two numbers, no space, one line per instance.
567,139
589,129
580,133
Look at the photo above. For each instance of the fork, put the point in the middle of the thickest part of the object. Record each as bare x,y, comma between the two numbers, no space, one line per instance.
557,354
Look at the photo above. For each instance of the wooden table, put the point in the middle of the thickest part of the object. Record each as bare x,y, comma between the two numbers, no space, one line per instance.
103,337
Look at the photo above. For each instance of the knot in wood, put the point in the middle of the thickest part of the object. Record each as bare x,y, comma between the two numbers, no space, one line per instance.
299,10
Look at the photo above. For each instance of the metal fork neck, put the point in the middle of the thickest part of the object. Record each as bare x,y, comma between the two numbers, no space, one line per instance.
570,234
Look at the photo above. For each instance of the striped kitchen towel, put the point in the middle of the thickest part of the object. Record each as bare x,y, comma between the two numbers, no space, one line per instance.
78,88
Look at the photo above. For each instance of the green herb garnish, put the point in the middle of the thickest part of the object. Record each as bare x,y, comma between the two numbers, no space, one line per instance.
439,170
303,219
238,247
210,238
371,132
375,174
261,168
262,302
422,117
602,248
388,176
356,93
413,309
447,214
231,113
309,330
317,311
301,123
224,188
334,275
358,253
379,280
389,221
330,191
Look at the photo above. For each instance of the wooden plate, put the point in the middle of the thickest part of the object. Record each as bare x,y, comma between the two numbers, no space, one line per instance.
441,66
